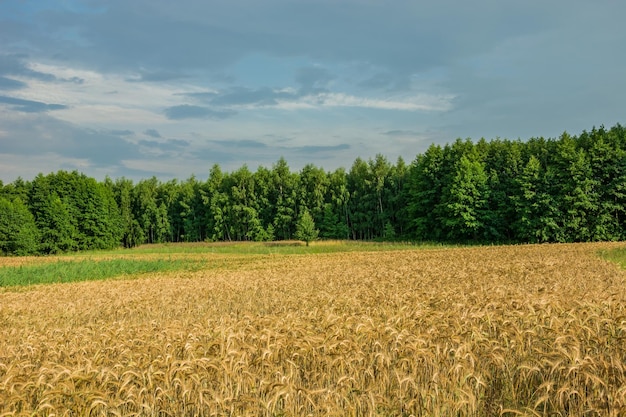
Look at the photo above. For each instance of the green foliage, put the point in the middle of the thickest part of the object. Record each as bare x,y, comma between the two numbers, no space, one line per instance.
305,228
188,212
465,199
131,232
389,233
331,226
313,190
264,234
283,200
424,189
52,217
18,232
73,211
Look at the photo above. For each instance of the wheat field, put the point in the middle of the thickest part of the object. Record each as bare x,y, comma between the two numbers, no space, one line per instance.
537,330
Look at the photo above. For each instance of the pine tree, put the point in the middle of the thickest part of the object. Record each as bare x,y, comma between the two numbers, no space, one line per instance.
305,228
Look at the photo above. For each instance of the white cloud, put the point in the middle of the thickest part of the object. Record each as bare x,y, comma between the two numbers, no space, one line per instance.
420,102
98,99
415,103
113,100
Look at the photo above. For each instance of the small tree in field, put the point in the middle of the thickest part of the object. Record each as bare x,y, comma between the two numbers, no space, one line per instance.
305,228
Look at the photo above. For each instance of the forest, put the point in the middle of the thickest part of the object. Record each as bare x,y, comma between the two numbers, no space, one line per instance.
565,189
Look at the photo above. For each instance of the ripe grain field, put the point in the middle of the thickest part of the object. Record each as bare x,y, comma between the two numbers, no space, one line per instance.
537,330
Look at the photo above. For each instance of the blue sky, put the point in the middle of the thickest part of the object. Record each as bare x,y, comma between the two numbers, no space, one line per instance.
156,87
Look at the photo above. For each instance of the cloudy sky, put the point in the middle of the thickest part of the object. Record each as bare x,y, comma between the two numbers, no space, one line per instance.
168,88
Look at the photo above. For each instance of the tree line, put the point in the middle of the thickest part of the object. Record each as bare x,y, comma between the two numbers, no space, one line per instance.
565,189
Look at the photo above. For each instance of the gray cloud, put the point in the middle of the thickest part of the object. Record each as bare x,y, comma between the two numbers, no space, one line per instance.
125,132
243,96
29,106
387,81
402,133
16,64
75,80
158,76
403,37
152,133
167,146
205,96
213,155
188,111
10,84
322,149
100,148
245,143
313,79
178,142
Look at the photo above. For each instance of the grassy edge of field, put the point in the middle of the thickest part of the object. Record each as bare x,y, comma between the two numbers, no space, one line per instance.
615,255
286,247
161,258
64,271
172,257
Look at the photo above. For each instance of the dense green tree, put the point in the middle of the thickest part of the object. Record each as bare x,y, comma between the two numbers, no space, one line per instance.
52,217
424,190
577,195
379,176
245,222
537,210
284,199
396,196
305,228
54,222
329,223
132,234
313,188
189,211
168,195
98,221
145,210
90,207
263,192
503,164
18,232
607,158
465,199
17,189
335,219
218,217
363,204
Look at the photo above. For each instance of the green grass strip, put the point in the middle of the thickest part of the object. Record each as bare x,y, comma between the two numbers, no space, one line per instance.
89,270
615,255
275,248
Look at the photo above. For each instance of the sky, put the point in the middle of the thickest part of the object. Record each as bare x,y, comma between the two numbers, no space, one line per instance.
167,88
